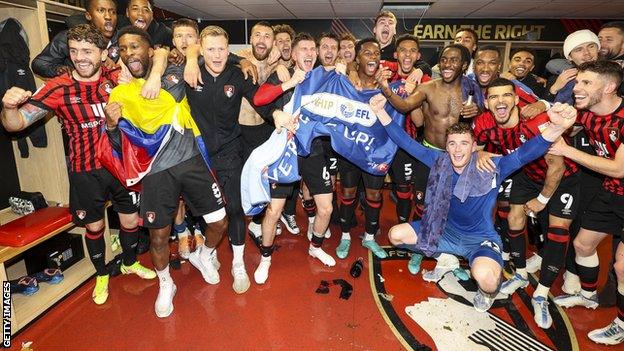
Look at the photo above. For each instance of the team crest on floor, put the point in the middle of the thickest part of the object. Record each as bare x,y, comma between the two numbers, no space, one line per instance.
429,316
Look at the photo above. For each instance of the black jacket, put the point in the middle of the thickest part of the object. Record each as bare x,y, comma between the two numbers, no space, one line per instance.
215,107
56,55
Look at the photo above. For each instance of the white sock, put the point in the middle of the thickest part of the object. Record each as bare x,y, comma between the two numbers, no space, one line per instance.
587,294
541,291
368,237
311,219
164,276
346,236
522,272
238,253
264,259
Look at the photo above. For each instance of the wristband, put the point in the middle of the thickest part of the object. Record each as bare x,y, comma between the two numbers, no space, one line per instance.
543,199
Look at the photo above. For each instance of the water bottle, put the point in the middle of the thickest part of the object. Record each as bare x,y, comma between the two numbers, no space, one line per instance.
356,267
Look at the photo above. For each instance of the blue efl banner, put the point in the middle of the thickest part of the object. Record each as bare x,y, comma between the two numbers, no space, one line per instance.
327,104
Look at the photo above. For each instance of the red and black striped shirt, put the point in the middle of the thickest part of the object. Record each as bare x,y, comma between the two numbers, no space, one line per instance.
80,108
509,139
606,134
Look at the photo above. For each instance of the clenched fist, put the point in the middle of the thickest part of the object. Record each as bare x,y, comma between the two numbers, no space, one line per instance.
15,97
113,113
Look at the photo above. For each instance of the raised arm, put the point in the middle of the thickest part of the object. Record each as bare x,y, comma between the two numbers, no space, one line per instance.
398,135
17,114
562,117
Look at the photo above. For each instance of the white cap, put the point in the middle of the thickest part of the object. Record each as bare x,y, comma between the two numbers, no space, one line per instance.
577,38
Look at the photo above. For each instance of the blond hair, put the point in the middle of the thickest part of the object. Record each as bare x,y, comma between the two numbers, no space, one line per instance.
213,31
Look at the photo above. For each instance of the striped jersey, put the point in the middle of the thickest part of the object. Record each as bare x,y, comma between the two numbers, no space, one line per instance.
79,107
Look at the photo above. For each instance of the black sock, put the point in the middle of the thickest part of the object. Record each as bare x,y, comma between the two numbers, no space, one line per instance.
96,248
570,263
290,206
517,243
557,240
128,239
588,277
317,241
347,211
266,251
502,226
404,202
371,216
258,218
309,207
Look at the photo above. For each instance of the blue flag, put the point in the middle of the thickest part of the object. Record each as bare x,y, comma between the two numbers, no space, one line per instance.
327,104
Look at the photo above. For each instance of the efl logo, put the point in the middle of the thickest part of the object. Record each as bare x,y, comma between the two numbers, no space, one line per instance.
151,216
228,90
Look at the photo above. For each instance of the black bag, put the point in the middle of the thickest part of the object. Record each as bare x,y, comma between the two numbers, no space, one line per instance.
25,202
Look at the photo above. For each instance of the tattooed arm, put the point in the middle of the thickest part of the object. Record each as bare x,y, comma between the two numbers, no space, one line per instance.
16,115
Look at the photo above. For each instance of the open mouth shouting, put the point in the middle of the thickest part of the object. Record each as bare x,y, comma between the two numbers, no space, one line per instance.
308,64
140,23
371,67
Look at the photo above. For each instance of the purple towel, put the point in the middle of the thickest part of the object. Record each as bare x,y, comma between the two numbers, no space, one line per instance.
471,182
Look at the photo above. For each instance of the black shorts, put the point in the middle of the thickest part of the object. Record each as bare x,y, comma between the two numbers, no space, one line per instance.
350,175
402,168
315,171
330,155
605,213
282,191
89,191
420,177
254,136
564,202
162,190
504,190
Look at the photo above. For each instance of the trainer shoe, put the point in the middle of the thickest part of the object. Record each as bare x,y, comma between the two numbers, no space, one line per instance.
317,252
184,244
164,302
241,279
262,272
138,269
206,266
375,248
534,263
49,275
571,283
342,251
541,315
516,282
482,302
100,292
461,274
413,266
566,300
436,274
612,334
25,285
290,223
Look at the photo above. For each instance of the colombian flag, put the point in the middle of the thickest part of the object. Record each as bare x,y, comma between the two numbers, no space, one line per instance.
146,127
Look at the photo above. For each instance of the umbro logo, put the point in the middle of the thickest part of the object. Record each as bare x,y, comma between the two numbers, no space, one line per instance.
21,72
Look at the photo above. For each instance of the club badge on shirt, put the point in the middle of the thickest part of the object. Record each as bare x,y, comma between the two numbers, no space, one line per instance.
228,90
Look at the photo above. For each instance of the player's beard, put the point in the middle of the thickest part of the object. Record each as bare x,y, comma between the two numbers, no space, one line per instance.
259,56
96,67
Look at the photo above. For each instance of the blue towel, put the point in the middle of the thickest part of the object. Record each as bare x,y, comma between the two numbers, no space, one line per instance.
471,183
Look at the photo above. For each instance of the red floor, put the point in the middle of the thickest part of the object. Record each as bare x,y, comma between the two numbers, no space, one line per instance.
283,314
